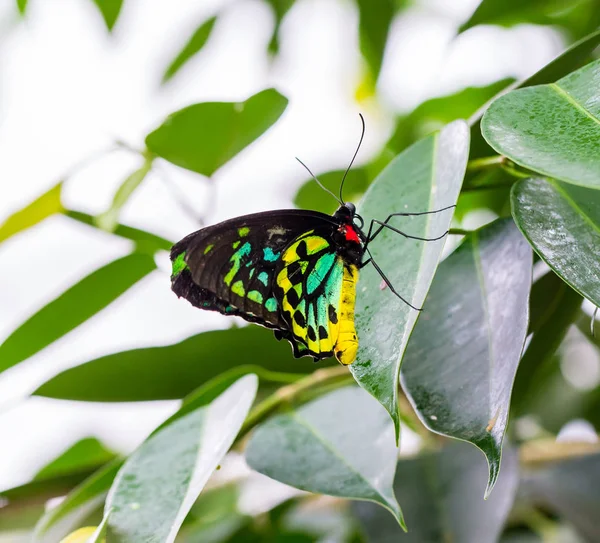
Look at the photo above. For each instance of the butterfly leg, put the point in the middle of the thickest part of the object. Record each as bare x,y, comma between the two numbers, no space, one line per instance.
386,280
381,225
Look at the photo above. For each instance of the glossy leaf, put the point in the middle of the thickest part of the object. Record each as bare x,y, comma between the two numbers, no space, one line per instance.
203,137
579,18
373,27
110,10
572,58
145,241
553,129
562,223
554,306
41,208
86,454
193,46
461,361
110,218
425,177
320,448
311,196
175,464
570,489
441,497
73,307
77,505
174,371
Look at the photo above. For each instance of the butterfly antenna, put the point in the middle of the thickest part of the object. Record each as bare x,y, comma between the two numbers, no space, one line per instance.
362,135
319,182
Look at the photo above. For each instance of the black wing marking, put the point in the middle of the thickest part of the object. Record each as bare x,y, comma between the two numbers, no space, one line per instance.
230,267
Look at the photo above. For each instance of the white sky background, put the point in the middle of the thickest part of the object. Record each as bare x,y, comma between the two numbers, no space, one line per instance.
68,90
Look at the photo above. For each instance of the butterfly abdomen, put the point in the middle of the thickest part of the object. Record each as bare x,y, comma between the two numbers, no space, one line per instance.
346,345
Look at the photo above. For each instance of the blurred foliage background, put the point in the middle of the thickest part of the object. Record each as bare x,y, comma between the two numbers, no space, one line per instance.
112,148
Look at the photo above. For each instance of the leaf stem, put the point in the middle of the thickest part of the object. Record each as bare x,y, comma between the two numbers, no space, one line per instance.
318,382
478,164
459,232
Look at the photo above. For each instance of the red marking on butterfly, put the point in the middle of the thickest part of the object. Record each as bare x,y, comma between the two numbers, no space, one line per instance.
351,234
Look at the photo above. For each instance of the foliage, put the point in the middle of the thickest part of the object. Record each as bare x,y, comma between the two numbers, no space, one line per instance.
496,330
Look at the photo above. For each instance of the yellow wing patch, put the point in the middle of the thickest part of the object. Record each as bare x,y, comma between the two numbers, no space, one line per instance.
318,293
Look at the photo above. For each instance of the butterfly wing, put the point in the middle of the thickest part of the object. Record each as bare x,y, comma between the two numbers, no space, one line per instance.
316,290
230,267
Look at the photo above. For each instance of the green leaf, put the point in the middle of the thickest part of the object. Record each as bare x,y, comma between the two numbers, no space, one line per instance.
109,219
373,27
433,114
441,497
77,505
145,241
46,205
562,224
425,177
320,448
193,46
280,9
578,17
461,361
86,454
174,371
159,483
110,10
574,57
311,196
553,129
203,137
73,307
553,308
22,6
569,489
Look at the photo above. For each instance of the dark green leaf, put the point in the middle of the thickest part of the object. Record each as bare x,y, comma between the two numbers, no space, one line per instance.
145,241
110,218
85,455
38,210
77,505
578,17
425,177
157,486
311,196
553,129
569,488
562,224
203,137
373,27
574,57
110,10
462,358
553,307
174,371
73,307
320,448
441,497
194,45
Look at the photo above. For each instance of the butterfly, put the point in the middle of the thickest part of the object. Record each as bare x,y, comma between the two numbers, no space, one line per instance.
294,271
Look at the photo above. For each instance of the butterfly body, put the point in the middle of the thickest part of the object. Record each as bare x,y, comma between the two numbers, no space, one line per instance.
293,271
